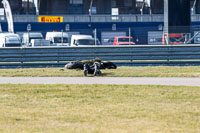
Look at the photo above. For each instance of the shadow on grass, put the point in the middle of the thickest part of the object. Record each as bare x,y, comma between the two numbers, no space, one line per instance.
107,74
102,75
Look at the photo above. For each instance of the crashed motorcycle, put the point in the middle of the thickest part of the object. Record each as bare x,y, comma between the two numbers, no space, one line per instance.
91,66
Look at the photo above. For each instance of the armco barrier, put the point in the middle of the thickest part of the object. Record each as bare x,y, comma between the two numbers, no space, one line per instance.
138,55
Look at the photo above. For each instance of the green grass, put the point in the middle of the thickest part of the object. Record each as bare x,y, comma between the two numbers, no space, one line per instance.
160,71
99,108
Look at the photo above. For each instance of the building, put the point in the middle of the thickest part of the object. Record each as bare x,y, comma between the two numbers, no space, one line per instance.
83,6
108,17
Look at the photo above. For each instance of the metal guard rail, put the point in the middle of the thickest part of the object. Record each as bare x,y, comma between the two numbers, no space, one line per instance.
138,55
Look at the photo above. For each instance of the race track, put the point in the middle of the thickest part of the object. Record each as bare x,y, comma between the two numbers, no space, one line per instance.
102,80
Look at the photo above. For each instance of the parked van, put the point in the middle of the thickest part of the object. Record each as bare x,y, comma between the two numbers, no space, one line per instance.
83,40
40,43
9,40
58,38
27,37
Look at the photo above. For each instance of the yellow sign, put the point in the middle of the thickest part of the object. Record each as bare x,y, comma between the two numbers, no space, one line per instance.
51,19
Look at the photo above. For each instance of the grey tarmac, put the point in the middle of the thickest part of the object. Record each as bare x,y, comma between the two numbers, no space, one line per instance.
103,80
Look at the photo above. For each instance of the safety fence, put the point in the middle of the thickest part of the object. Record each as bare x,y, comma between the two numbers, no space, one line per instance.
140,33
137,55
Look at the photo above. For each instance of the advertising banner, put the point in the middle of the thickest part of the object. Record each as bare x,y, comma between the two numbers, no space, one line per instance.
155,37
50,19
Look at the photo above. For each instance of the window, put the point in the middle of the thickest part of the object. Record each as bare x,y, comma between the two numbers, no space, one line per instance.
114,3
76,2
60,40
25,2
12,40
85,42
125,39
128,3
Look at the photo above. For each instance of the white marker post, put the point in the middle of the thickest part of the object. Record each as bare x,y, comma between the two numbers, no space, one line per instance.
8,16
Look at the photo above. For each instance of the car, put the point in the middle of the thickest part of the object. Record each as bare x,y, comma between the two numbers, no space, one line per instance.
10,40
27,37
83,40
123,40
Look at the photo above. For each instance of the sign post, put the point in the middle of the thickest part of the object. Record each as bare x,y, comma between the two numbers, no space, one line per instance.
28,30
115,13
95,36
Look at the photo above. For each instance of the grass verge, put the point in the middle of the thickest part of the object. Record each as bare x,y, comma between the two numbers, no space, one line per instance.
160,71
98,108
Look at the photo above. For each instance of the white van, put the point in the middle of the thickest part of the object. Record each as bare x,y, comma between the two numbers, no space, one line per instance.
83,40
27,37
58,38
9,40
40,43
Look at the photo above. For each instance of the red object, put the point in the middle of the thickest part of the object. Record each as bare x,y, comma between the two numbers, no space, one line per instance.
123,40
174,38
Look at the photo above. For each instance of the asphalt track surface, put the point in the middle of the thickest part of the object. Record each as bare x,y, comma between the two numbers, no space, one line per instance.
102,80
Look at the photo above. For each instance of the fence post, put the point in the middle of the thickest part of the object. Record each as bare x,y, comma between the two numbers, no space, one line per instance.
62,37
22,55
129,35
